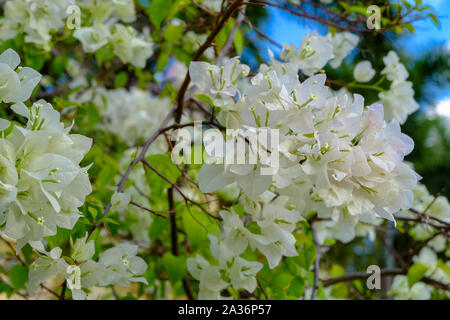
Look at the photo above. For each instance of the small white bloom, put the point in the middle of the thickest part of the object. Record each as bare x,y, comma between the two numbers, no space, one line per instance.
363,71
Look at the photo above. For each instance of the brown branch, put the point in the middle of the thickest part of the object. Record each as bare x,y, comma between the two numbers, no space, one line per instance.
63,290
147,209
360,275
136,161
229,44
24,264
181,93
177,188
385,272
428,217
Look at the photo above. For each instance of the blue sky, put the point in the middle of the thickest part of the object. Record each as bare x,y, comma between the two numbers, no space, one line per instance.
286,28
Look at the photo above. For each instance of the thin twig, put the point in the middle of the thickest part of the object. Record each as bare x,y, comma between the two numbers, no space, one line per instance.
220,25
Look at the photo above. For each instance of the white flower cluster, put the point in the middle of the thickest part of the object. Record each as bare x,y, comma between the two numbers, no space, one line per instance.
37,19
401,290
436,270
104,29
229,269
337,157
316,51
398,101
118,265
17,83
133,115
41,181
139,220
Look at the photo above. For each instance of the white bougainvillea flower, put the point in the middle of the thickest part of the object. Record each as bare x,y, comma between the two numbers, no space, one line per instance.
343,43
46,185
217,81
120,200
132,114
401,289
394,69
36,21
128,47
16,86
363,71
398,101
93,38
314,53
242,274
122,265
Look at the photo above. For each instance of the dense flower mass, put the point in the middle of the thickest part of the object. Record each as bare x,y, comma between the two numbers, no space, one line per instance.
17,82
97,24
37,20
133,114
338,157
42,182
116,266
149,161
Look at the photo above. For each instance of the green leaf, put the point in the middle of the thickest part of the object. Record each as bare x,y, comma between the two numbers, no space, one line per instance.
339,291
204,98
192,225
434,19
163,60
158,11
177,6
175,266
120,80
157,227
223,35
59,64
109,220
409,27
306,255
406,4
238,41
297,288
103,55
337,271
19,276
173,33
4,287
166,167
415,273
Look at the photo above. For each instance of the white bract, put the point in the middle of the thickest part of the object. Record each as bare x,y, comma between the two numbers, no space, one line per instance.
343,43
36,19
401,290
338,158
394,69
44,184
398,101
116,266
16,83
363,71
133,115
